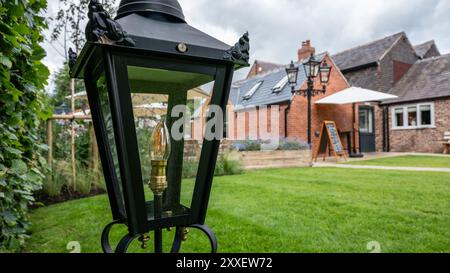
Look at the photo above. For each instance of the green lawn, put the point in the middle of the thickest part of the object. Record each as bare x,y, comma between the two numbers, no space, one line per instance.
287,210
407,161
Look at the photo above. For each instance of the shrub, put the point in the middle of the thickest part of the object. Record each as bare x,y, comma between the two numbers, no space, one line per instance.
224,166
57,179
288,144
22,107
230,166
83,181
61,181
190,167
247,145
98,180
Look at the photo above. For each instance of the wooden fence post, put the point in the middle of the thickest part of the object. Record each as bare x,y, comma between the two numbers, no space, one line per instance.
50,142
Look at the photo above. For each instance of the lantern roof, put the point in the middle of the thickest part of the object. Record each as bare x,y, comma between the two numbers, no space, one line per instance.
167,7
155,26
149,28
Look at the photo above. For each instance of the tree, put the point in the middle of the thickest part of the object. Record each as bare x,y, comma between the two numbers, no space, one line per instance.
22,108
70,23
69,26
61,81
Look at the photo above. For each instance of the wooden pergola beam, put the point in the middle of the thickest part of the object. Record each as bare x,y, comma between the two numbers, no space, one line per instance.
71,117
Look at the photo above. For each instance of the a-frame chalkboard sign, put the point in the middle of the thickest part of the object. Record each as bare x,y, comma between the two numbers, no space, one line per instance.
329,137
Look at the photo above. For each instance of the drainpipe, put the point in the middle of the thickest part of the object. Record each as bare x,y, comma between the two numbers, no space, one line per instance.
386,136
286,113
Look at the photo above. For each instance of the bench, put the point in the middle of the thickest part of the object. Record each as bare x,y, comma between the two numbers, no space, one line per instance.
446,142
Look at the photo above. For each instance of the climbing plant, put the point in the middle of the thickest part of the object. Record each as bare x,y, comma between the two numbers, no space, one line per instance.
22,108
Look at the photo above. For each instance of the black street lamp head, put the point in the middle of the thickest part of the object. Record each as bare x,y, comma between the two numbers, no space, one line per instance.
292,74
137,70
311,67
325,71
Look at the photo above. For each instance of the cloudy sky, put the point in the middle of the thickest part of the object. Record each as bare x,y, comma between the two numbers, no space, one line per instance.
277,27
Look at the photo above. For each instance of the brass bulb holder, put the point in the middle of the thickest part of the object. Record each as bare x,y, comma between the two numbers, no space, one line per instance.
184,233
158,181
144,239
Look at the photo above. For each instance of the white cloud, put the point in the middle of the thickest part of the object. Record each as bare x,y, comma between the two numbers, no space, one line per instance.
277,27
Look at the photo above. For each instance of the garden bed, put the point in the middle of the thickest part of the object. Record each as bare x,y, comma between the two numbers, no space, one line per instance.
64,196
273,159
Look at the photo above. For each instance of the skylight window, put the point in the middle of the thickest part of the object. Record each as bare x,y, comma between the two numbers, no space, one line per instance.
253,90
280,85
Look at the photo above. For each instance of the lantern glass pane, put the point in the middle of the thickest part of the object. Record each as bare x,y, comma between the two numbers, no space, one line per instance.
174,98
307,68
325,75
315,69
292,76
108,124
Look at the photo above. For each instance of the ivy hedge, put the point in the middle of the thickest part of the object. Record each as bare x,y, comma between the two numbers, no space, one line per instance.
22,108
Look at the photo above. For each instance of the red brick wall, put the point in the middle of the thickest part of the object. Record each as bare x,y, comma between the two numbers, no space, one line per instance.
341,114
297,115
379,127
422,140
400,69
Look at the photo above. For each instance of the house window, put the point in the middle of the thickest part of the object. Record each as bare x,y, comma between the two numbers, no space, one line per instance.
425,113
280,85
398,116
365,121
413,116
252,91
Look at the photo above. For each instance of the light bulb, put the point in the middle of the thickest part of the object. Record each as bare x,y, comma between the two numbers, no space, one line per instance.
160,142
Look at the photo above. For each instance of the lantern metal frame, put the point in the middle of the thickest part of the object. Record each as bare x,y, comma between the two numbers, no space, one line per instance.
325,72
112,59
311,67
292,74
310,91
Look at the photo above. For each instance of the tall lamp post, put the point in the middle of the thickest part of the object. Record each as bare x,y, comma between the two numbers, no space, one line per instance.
313,68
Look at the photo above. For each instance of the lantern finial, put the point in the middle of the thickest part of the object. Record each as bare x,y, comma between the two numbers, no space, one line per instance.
240,52
167,7
101,28
72,58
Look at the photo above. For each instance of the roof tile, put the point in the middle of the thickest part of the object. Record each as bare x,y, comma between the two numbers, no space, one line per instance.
422,49
427,79
365,54
265,95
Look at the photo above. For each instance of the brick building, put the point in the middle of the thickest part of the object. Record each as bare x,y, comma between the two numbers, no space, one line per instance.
418,75
254,99
415,122
261,67
418,119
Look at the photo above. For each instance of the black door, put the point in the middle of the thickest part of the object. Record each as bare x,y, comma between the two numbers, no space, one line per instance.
366,129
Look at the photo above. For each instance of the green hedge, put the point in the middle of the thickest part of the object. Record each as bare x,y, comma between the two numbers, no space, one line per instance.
22,107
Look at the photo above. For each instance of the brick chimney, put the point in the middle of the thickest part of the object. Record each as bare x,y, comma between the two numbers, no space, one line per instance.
306,50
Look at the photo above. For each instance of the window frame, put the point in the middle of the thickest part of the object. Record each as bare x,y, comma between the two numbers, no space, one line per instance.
369,116
419,125
281,84
253,90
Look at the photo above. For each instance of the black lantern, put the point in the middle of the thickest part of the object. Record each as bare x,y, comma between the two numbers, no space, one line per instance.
292,74
137,68
311,67
325,71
